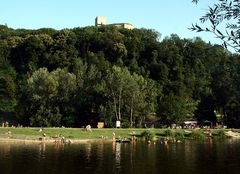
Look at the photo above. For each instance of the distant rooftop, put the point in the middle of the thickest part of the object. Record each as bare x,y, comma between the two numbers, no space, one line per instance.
101,20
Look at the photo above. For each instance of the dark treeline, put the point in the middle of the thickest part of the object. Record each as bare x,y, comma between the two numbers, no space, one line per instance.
74,77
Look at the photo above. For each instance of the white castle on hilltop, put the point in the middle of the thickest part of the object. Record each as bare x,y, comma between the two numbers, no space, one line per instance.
101,20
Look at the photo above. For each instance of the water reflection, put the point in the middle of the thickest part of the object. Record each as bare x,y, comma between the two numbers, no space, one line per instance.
209,156
4,152
88,149
42,150
118,155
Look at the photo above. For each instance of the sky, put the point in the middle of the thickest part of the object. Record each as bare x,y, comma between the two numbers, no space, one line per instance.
165,16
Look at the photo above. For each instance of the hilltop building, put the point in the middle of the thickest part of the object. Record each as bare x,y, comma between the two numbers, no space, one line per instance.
101,20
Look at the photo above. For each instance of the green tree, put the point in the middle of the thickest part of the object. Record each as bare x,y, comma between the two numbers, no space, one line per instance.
48,92
141,98
117,86
175,109
63,51
7,88
26,55
131,96
90,95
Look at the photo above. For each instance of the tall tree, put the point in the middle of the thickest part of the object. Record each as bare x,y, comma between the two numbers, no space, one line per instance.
7,88
7,80
176,109
47,94
117,86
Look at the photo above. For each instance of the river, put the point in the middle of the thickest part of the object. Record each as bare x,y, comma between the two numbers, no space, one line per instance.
195,157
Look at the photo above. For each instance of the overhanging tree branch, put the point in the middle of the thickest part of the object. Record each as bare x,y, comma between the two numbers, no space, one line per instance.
227,13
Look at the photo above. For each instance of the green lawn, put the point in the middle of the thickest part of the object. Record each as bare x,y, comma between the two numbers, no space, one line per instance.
80,133
71,133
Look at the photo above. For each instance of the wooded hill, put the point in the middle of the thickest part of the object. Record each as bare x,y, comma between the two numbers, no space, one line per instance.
73,77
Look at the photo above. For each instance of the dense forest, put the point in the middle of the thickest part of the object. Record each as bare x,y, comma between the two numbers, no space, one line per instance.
74,77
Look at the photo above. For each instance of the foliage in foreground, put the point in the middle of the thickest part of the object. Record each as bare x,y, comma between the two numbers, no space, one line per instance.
225,12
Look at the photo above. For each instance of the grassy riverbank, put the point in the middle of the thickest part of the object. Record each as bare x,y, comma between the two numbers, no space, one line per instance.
70,133
99,134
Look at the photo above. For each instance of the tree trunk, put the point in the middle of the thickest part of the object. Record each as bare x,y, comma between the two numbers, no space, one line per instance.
115,108
131,113
115,105
119,104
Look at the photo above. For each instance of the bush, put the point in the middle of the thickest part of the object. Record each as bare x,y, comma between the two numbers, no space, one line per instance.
179,135
148,135
125,124
169,133
197,134
221,134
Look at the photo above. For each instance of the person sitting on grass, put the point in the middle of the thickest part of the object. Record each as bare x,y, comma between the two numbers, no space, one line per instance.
88,128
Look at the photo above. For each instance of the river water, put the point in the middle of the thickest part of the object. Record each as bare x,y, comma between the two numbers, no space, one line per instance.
195,157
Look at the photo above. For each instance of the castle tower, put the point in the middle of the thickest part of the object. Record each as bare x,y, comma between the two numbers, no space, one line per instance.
100,20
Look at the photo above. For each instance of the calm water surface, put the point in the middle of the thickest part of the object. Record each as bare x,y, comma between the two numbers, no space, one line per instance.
213,157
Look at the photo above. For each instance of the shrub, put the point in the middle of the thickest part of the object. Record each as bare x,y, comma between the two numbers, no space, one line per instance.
125,124
221,134
179,135
169,133
197,134
148,135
